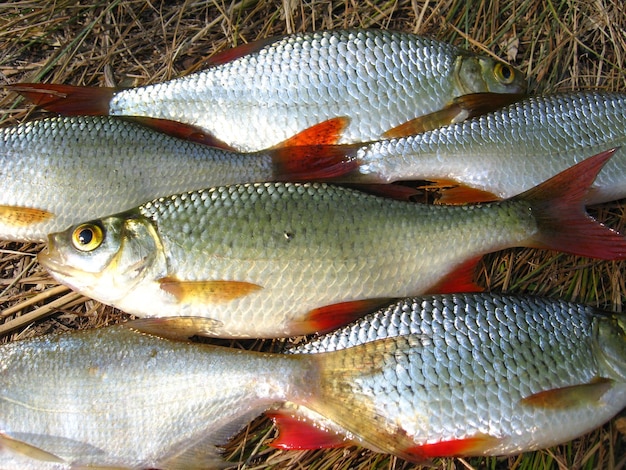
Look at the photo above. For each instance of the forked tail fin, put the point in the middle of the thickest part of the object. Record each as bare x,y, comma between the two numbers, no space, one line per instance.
68,100
563,223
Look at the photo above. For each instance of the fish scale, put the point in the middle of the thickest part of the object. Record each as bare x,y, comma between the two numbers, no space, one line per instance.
510,150
460,366
279,259
62,170
275,88
448,375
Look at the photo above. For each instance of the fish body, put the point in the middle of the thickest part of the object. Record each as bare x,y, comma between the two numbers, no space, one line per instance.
279,259
260,94
468,374
462,374
505,152
118,398
59,171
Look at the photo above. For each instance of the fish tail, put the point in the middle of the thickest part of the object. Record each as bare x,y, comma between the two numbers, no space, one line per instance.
68,100
332,391
559,210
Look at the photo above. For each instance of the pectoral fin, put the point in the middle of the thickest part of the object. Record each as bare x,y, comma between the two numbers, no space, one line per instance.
176,328
462,108
570,397
23,216
206,292
27,450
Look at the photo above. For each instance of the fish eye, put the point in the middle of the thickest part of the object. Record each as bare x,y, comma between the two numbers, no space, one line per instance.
87,237
504,73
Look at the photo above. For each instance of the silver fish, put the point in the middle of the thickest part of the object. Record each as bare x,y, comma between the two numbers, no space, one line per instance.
59,171
260,94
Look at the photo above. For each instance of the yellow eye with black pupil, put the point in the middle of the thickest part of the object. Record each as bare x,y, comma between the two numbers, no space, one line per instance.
504,73
87,237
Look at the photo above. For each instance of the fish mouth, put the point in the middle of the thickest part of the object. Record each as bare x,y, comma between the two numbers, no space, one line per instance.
50,259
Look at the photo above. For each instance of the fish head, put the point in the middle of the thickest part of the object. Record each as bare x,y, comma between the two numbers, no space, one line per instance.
611,344
105,258
477,74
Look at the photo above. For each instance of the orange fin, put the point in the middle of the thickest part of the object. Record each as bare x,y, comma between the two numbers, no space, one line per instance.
462,108
23,216
331,317
324,133
176,328
207,292
570,397
562,222
67,100
459,280
297,433
453,192
28,450
228,55
475,445
179,130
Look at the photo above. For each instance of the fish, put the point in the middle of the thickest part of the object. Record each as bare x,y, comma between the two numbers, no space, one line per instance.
261,93
59,171
272,260
431,376
508,151
115,397
461,375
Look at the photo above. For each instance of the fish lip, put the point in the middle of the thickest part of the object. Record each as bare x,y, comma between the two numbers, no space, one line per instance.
53,264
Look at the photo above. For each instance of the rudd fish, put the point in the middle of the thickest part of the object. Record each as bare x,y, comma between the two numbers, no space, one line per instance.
505,152
435,376
59,171
118,398
461,375
259,94
274,259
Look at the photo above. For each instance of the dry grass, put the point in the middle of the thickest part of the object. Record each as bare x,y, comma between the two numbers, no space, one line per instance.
559,44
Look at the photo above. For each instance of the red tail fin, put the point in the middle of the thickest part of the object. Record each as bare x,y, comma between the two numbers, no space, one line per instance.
562,222
68,100
313,155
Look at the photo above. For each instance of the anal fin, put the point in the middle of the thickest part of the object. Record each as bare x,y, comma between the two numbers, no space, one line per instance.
330,317
461,279
469,446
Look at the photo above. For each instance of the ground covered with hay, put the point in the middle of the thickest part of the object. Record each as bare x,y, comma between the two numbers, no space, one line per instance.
559,44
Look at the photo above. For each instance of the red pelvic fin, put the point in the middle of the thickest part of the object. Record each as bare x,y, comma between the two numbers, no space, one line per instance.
179,130
228,55
331,317
476,445
462,108
295,433
453,192
459,280
563,224
67,100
